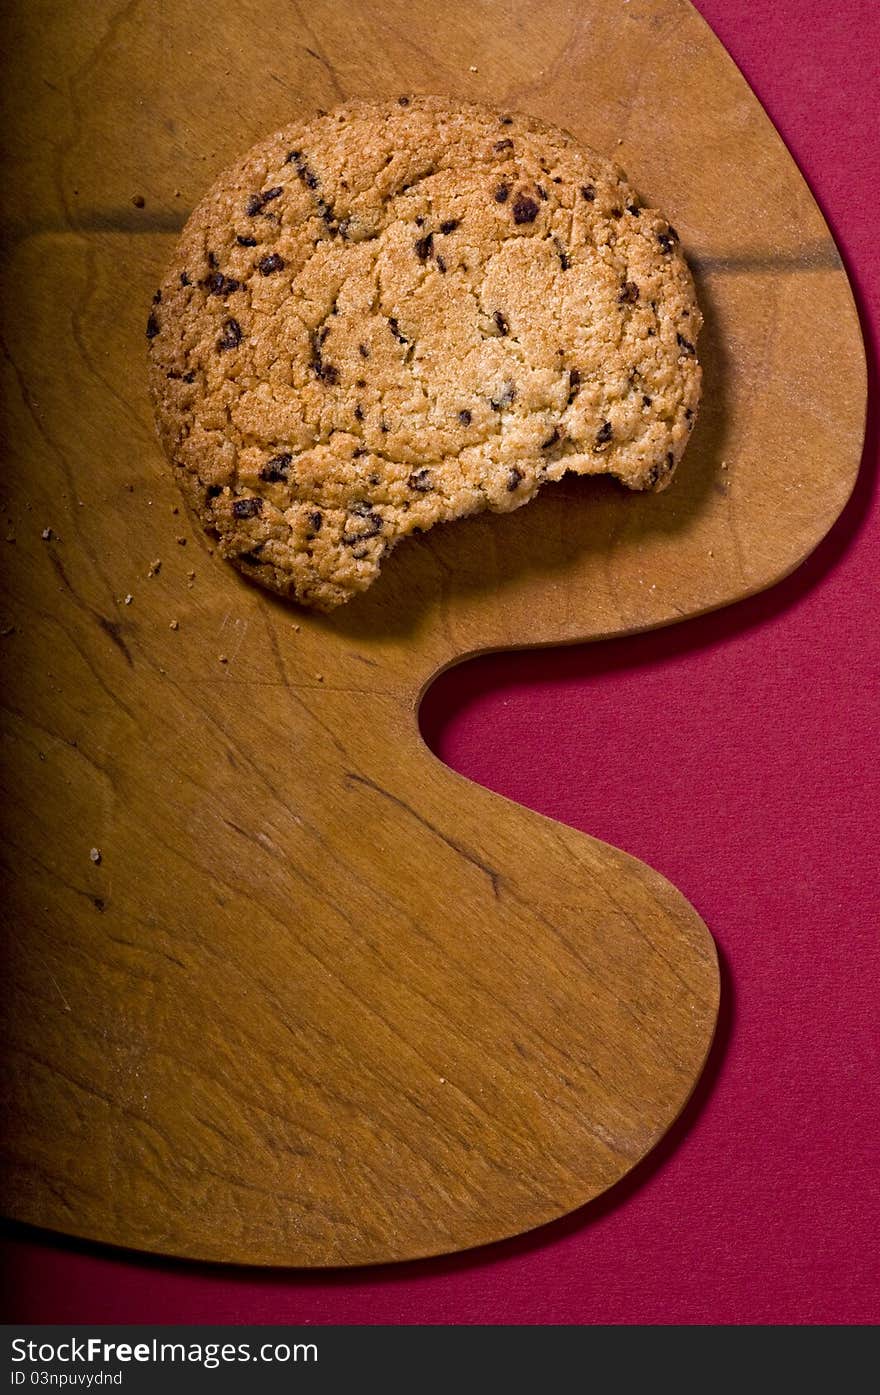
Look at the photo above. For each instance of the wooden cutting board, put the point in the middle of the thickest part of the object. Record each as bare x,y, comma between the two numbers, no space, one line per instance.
314,999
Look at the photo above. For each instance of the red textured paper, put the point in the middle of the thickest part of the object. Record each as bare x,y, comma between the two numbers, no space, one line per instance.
737,754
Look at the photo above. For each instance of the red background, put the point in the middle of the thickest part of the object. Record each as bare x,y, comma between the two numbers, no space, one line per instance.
756,793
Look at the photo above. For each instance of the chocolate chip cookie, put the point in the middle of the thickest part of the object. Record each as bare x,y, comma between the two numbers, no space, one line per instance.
402,312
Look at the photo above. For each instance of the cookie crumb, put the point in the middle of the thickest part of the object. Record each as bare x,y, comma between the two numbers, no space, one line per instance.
175,625
47,535
223,658
181,541
127,600
138,200
95,855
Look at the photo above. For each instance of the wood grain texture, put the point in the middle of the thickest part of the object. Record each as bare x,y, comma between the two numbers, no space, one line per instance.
322,1001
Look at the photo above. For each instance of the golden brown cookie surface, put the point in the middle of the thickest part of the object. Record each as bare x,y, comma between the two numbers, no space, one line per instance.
403,312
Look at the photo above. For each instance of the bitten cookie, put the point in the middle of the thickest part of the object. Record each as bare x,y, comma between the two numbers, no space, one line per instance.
403,312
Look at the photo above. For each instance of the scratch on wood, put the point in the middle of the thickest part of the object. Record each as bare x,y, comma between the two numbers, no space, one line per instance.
110,627
466,853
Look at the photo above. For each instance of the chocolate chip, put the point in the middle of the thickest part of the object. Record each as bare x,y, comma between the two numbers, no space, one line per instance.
646,400
271,263
275,470
403,101
665,242
218,284
449,226
525,210
184,279
502,193
603,435
246,241
358,413
213,490
361,383
420,480
629,294
589,192
505,398
685,345
551,439
231,336
395,330
506,120
465,417
157,298
513,478
368,516
256,202
247,508
673,234
423,247
152,326
662,468
326,372
328,216
441,265
502,145
363,351
501,322
634,209
574,382
315,521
